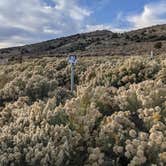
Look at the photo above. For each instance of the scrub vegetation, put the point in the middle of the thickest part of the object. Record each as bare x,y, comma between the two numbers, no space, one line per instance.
116,116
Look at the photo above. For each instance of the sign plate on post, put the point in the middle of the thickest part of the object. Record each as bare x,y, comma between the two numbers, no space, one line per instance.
72,59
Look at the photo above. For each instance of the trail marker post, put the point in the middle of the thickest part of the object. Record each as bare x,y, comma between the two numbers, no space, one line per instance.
151,55
72,60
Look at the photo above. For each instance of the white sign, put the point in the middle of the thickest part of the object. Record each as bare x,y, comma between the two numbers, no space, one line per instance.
72,59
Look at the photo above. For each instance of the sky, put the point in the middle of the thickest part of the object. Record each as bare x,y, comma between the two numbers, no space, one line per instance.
30,21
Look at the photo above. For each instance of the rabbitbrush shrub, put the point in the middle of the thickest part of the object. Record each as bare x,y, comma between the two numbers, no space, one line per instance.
117,116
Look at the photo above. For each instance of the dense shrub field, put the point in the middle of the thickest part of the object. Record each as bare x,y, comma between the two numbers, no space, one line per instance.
116,117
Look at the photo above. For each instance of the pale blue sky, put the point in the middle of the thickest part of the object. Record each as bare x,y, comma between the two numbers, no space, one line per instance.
30,21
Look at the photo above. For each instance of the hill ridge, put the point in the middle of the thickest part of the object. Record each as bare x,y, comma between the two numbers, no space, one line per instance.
100,42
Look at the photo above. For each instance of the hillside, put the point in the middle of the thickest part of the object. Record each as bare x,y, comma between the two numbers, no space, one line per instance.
137,42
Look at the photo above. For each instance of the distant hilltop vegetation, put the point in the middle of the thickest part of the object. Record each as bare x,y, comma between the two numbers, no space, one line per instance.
97,43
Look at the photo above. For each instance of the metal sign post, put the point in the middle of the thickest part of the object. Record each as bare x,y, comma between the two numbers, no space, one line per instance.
72,60
72,77
151,55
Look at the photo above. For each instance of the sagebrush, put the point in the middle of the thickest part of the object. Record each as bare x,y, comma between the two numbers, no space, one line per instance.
117,115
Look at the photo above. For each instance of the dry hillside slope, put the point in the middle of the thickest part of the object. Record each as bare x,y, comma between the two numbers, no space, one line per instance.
137,42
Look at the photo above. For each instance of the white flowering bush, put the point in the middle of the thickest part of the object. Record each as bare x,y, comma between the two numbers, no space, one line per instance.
31,138
37,79
116,116
117,74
